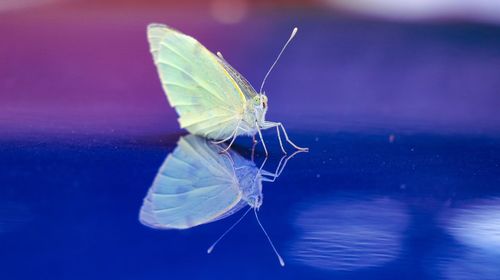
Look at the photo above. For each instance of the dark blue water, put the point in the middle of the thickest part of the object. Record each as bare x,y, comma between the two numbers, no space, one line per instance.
357,206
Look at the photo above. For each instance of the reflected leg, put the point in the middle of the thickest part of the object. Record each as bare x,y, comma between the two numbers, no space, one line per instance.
279,170
253,149
230,144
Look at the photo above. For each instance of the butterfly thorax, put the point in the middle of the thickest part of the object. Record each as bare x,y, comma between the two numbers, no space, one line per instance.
250,184
255,114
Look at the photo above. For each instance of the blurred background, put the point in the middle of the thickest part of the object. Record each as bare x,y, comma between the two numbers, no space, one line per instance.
83,67
398,102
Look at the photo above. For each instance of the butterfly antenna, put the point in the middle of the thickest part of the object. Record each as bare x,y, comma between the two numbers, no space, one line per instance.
227,231
277,58
282,263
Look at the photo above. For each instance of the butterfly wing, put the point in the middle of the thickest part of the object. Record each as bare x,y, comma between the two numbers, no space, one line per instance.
242,82
205,95
195,185
232,211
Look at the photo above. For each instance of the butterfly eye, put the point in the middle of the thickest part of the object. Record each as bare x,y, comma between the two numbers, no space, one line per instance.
257,101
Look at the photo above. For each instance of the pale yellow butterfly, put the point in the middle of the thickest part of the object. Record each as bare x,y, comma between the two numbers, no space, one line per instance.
197,185
211,98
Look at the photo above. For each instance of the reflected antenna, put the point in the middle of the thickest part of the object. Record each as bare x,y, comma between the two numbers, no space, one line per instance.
228,230
282,263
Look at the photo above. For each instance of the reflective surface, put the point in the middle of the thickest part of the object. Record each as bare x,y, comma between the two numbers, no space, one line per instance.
350,233
356,206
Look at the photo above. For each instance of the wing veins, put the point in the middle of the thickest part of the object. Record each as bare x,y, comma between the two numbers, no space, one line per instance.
226,119
192,191
202,84
185,204
162,43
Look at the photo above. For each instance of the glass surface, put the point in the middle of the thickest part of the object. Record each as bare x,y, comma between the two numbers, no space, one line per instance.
356,206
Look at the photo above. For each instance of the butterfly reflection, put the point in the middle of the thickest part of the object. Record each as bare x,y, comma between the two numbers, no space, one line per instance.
199,183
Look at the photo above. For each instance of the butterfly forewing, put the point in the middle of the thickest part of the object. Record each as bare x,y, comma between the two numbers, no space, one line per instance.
207,98
242,82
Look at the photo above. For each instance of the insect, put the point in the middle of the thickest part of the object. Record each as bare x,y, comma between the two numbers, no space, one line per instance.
197,185
212,99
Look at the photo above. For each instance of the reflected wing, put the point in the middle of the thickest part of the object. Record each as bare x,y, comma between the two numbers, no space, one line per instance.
205,95
195,185
232,211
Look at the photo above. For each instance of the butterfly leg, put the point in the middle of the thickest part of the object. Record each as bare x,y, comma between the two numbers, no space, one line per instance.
233,134
290,141
262,139
278,124
223,140
268,125
230,144
279,138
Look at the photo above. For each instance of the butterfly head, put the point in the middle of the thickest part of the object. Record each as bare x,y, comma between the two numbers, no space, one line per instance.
260,101
259,104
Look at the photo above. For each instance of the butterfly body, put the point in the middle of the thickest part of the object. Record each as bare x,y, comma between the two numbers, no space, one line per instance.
250,182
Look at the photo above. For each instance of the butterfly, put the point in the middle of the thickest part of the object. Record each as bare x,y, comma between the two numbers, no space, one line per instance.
212,99
197,184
